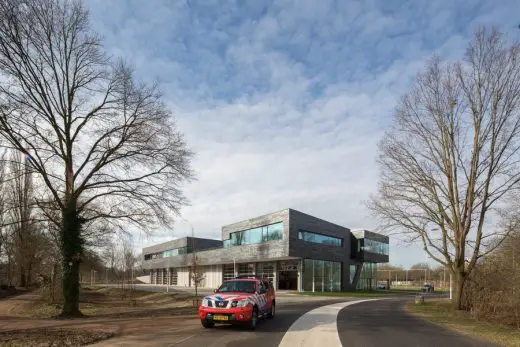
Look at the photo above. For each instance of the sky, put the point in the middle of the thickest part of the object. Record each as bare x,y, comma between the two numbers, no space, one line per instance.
284,102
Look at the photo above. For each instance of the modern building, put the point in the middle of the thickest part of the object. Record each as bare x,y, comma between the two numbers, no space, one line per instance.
294,250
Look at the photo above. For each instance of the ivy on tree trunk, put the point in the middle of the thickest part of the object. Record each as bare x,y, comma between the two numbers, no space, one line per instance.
71,244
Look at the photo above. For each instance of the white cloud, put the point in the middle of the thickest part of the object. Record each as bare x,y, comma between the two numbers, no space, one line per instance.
284,105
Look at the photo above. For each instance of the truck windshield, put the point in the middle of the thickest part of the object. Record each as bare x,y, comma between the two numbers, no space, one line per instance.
237,286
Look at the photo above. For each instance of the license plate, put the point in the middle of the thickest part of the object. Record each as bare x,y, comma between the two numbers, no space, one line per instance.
220,317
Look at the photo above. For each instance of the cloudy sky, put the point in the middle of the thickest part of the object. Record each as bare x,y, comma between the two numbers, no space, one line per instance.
284,101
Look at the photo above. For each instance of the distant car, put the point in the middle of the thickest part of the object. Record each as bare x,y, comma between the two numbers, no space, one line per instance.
239,301
383,285
427,288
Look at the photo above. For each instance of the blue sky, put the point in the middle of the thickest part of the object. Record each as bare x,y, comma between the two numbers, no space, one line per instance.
284,101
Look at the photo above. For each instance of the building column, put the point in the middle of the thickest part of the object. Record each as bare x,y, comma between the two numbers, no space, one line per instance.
275,275
300,275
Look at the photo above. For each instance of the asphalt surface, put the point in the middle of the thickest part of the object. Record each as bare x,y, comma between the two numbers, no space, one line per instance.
386,323
375,323
269,332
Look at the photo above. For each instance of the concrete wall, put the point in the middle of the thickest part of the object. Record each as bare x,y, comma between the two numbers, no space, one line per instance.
144,279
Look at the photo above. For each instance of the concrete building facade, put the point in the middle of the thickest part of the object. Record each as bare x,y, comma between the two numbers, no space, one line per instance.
296,251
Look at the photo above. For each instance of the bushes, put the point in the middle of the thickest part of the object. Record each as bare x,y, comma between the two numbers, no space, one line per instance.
493,290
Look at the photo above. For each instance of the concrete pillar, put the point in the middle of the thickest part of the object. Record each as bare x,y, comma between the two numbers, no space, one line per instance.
300,275
275,275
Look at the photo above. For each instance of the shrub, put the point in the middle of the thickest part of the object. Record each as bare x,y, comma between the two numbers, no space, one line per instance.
493,290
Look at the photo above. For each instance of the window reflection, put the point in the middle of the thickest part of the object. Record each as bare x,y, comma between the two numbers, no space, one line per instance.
168,253
321,276
253,236
368,277
377,247
319,238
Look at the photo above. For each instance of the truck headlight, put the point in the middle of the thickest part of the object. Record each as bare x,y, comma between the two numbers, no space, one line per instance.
242,303
205,303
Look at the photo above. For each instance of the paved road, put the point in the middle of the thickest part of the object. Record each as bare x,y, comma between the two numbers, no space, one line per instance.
321,323
386,323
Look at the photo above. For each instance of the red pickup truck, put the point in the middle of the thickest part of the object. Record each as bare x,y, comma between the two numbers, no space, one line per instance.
239,301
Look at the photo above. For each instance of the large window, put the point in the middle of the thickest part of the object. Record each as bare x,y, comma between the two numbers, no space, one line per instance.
176,251
265,270
247,269
368,277
321,276
253,236
319,238
353,269
228,271
168,253
375,247
173,276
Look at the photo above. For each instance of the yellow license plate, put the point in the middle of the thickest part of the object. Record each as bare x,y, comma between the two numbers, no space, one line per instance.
220,317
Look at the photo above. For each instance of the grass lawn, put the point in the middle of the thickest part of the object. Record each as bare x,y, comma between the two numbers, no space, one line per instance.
102,301
440,312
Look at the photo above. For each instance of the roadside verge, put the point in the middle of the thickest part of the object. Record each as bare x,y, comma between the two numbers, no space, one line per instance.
439,312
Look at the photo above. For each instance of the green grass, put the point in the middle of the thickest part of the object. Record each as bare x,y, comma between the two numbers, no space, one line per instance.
441,313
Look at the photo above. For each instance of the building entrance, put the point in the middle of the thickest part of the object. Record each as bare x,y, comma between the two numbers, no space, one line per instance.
288,275
288,280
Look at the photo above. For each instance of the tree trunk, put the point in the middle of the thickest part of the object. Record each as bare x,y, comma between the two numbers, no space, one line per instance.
28,279
71,245
23,281
458,288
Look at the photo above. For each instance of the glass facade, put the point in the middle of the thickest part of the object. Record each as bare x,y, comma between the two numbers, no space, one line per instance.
253,236
176,251
319,238
352,271
168,253
247,269
228,271
265,270
321,276
375,247
368,277
173,276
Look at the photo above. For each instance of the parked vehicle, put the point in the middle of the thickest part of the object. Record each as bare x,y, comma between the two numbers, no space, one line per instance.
428,288
383,285
239,301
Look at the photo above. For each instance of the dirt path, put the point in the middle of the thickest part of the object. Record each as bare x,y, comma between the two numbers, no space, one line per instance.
9,306
126,330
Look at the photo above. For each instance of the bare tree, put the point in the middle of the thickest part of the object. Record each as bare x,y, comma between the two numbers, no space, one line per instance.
2,198
452,155
105,147
24,229
197,273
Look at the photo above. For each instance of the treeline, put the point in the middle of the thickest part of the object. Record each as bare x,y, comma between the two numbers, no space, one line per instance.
417,274
29,249
27,239
492,291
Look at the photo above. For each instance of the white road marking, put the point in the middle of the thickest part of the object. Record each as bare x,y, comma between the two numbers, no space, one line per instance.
317,327
184,339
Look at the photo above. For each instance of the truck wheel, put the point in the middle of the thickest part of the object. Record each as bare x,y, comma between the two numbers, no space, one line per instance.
270,315
207,324
254,319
